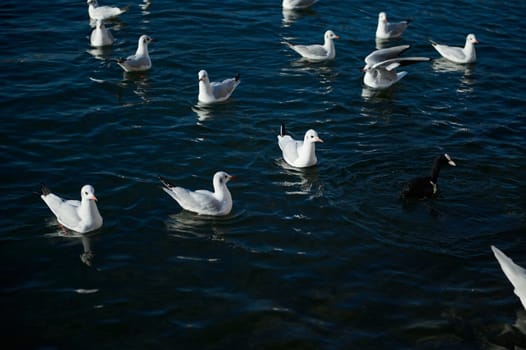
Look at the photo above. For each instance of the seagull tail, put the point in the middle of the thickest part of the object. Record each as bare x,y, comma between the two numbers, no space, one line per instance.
125,8
434,43
282,130
165,182
44,189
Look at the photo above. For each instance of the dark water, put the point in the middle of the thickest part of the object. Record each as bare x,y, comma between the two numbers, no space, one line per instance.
326,258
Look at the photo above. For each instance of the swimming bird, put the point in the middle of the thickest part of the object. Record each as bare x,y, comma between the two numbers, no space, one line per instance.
316,53
104,12
380,66
141,60
299,154
80,216
389,30
514,273
426,186
100,35
297,4
214,92
203,202
457,54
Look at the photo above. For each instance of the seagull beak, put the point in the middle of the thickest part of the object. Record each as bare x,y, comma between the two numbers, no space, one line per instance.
336,37
317,139
232,177
452,163
92,197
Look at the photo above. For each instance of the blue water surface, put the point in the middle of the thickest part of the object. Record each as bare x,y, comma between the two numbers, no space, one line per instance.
323,258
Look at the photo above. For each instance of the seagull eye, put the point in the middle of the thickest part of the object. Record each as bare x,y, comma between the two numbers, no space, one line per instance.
86,193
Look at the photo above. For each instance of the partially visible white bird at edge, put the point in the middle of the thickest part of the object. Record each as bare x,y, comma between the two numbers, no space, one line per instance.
389,30
380,66
316,52
299,154
214,92
79,216
515,274
203,202
100,35
104,12
297,4
141,60
458,54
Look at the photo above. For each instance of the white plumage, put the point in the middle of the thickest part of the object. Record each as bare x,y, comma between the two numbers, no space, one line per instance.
203,202
80,216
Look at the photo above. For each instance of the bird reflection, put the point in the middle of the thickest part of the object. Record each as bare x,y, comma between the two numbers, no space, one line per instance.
202,112
100,53
291,16
186,224
87,256
467,80
141,81
145,6
307,183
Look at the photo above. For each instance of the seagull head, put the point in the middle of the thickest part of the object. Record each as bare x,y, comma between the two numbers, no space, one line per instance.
88,192
221,178
329,35
145,39
472,38
203,76
92,2
311,136
382,17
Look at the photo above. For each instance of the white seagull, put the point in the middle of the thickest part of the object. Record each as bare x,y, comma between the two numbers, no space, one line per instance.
299,154
203,202
100,35
515,273
457,54
389,30
104,12
80,216
380,66
141,60
317,52
214,92
297,4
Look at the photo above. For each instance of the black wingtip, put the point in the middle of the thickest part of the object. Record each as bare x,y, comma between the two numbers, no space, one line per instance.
165,182
44,189
237,77
282,130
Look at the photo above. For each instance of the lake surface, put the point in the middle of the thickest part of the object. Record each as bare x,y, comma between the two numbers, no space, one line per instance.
324,258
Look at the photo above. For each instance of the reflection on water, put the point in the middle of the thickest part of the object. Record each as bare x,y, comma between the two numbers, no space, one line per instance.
145,6
203,113
186,224
100,53
374,95
467,81
291,16
307,180
87,254
141,81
